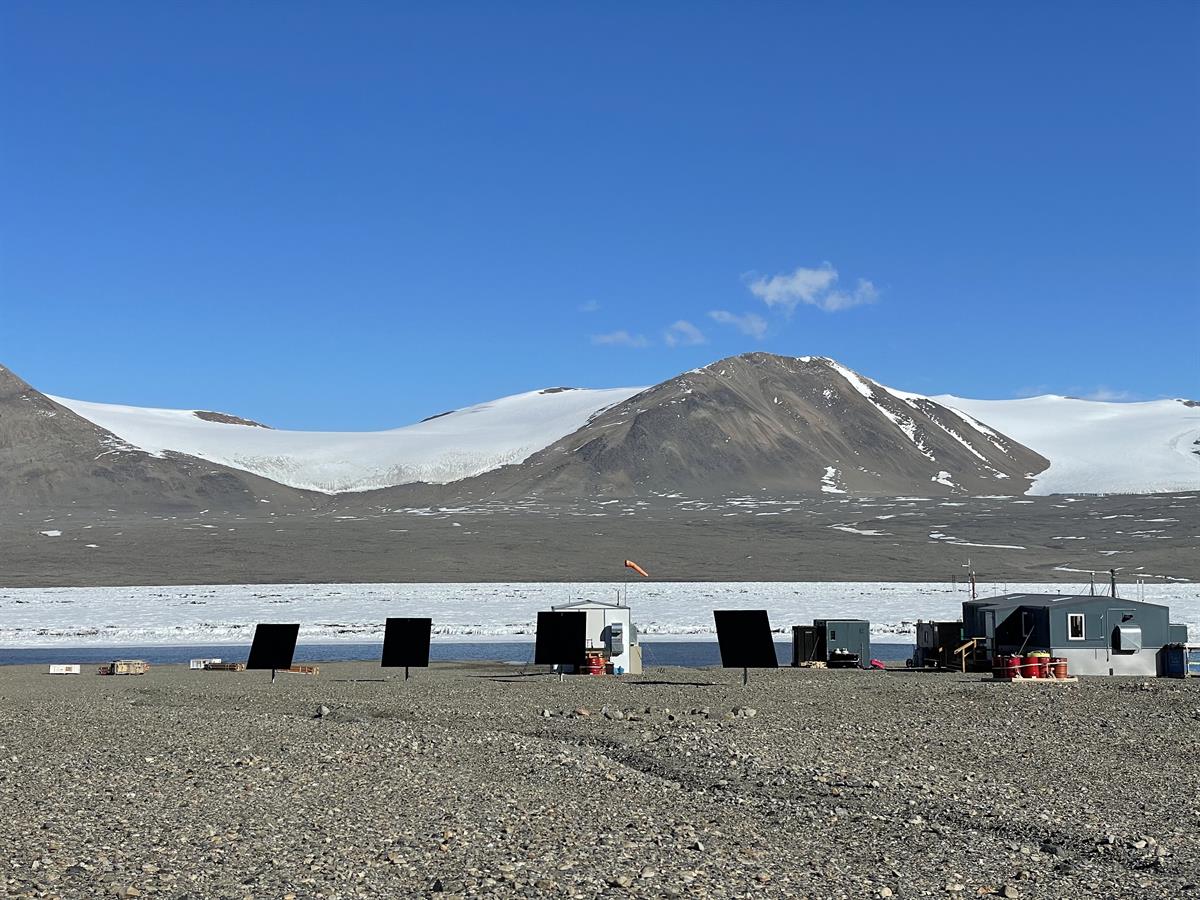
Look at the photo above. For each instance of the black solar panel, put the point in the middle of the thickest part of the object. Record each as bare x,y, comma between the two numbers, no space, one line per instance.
561,639
273,647
406,642
744,636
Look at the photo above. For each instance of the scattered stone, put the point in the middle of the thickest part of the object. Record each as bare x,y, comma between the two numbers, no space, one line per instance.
846,786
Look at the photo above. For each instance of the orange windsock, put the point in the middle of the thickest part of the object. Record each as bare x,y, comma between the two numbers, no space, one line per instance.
630,564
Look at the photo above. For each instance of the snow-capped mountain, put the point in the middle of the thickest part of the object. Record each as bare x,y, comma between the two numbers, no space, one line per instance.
441,449
759,421
800,424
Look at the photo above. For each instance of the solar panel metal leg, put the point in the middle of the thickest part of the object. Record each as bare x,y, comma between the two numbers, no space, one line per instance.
272,676
745,677
406,673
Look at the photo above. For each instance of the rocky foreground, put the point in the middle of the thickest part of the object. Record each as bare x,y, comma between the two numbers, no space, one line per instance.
474,781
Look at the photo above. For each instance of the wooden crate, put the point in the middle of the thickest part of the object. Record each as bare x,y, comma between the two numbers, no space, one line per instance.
303,670
129,667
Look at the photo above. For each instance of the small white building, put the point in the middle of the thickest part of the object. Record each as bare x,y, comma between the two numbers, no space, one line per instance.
64,669
203,661
610,628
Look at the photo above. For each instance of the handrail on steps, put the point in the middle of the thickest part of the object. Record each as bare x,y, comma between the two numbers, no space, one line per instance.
961,650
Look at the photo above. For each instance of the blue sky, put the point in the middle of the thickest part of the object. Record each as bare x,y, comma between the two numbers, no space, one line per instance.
331,215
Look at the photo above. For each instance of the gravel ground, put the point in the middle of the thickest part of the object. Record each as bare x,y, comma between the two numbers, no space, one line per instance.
481,780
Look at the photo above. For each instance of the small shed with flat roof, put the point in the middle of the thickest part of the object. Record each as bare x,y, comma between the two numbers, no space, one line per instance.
837,642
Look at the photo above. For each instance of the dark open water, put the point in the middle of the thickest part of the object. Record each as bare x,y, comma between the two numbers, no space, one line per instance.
654,653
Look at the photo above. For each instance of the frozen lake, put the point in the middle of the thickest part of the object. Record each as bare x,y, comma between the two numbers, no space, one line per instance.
355,613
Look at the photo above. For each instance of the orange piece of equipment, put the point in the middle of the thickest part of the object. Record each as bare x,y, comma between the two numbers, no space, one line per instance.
630,564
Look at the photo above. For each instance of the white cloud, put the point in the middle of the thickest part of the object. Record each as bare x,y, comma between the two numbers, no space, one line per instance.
1108,395
864,292
1033,390
1075,392
683,334
621,339
751,323
590,307
815,287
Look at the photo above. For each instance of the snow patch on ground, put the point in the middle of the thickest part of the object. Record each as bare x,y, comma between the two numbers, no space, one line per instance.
951,539
850,529
830,483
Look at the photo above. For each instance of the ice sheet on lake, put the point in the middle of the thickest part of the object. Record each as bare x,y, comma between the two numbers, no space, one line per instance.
114,616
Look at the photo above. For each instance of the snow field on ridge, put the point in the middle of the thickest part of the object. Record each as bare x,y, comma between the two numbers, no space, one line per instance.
1097,447
445,448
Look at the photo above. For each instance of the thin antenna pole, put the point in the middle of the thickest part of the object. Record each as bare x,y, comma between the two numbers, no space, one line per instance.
1112,578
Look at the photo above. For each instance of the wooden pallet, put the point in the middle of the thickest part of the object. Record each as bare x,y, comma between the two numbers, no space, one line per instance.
1072,679
303,670
224,667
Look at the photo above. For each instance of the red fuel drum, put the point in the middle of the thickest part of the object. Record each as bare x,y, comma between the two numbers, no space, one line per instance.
1006,666
1031,667
1058,667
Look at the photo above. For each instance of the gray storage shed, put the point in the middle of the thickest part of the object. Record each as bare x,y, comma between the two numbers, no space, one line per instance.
1096,635
832,641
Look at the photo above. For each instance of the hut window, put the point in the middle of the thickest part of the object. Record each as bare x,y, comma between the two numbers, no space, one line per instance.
1075,626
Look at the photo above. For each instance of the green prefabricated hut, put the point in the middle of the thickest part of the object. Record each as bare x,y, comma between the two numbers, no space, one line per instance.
844,642
1096,635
